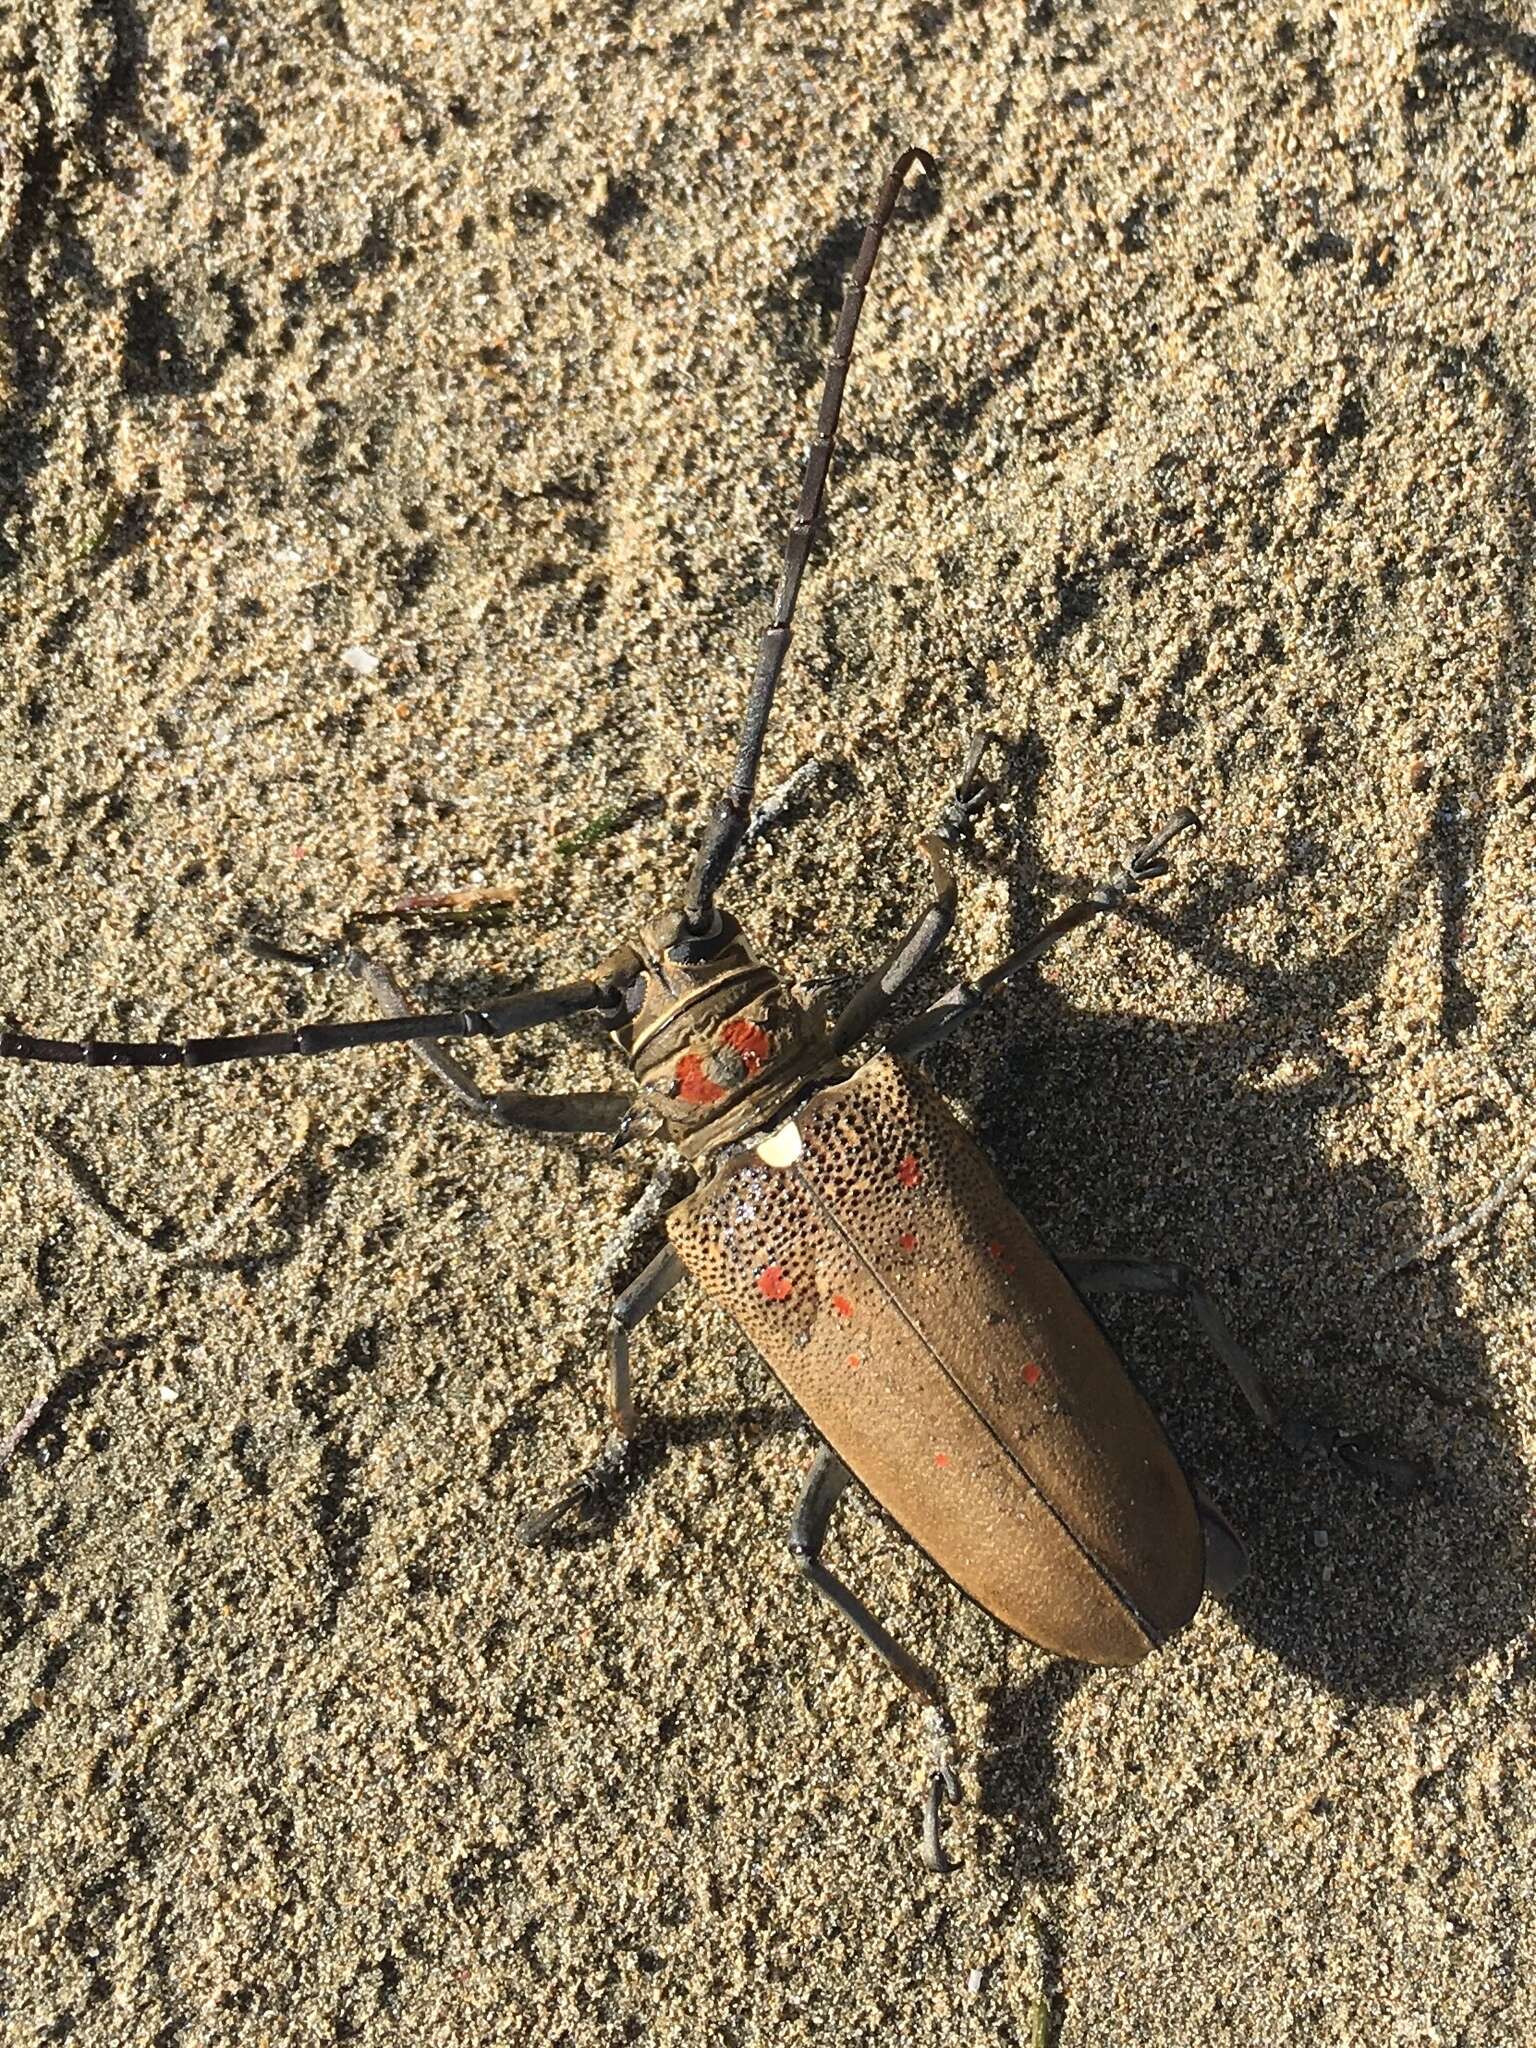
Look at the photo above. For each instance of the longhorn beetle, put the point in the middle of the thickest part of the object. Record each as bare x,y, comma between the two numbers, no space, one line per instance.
855,1231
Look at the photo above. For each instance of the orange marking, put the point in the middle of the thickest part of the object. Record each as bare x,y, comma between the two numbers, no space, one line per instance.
772,1285
693,1084
909,1173
853,1361
908,1240
1031,1374
941,1459
750,1040
840,1305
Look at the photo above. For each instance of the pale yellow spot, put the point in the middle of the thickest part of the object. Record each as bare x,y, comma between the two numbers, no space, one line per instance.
781,1147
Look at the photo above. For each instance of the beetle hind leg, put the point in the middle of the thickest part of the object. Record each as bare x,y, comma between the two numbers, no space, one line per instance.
1148,1276
1226,1554
824,1488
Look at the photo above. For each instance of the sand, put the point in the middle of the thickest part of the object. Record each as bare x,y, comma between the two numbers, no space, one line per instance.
400,415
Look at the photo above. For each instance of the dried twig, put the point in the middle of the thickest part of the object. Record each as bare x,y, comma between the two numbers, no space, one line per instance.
1485,1211
66,1384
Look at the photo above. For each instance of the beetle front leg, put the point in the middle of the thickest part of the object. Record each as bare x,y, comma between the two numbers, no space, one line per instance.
600,1110
824,1488
1147,1276
631,1308
876,996
952,1009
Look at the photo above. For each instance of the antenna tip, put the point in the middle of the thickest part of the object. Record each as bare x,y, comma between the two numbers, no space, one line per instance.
904,163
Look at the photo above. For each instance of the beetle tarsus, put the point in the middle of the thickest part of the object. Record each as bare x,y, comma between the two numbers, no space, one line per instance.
943,1783
1146,864
583,1493
973,792
1402,1475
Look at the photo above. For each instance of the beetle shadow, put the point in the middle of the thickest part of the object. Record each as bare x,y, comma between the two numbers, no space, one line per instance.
1018,1805
1154,1139
1018,1826
599,1521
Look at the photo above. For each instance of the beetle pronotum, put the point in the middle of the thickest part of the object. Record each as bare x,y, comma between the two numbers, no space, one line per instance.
854,1228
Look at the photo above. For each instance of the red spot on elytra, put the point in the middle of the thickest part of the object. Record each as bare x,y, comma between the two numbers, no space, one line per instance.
772,1284
693,1084
941,1459
908,1240
840,1305
853,1361
1031,1374
909,1173
996,1251
748,1039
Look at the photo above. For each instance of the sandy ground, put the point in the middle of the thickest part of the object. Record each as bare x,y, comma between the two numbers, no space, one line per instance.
1190,445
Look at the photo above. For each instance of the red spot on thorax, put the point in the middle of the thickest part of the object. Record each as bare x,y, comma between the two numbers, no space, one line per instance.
908,1240
840,1305
909,1173
1031,1374
693,1084
750,1040
772,1285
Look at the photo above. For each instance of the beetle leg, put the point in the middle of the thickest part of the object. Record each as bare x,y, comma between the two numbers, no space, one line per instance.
972,792
829,1476
824,1488
1226,1555
874,997
631,1308
510,1108
1147,1276
1145,865
495,1019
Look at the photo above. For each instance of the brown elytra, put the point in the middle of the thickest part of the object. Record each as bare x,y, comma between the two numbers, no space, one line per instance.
869,1251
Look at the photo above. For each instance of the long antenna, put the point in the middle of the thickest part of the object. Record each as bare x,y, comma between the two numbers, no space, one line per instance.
729,821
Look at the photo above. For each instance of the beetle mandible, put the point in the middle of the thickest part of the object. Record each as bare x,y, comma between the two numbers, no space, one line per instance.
855,1230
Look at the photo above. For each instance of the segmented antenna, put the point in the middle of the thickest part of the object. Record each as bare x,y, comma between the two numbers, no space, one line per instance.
494,1020
729,821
